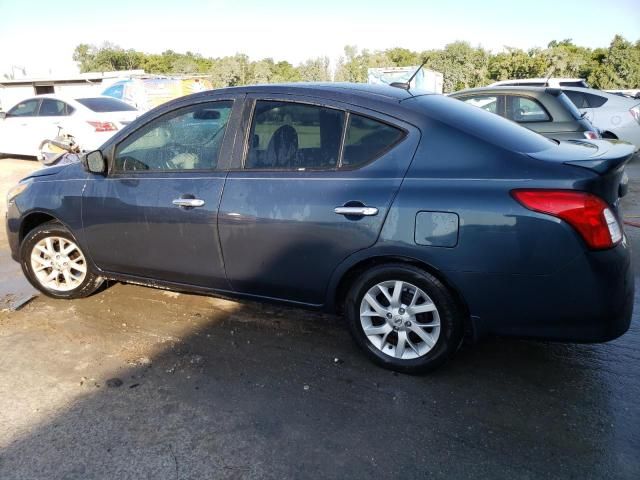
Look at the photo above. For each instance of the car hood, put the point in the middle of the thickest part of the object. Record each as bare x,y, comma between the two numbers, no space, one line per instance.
71,164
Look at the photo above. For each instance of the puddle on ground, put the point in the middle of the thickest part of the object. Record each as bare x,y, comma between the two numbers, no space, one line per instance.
15,290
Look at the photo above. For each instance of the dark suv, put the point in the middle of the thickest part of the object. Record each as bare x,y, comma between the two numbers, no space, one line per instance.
418,217
547,111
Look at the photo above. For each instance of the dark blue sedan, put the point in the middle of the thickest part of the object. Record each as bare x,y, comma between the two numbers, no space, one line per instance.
418,217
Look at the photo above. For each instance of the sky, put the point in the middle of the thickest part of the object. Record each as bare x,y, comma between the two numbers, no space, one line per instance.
40,35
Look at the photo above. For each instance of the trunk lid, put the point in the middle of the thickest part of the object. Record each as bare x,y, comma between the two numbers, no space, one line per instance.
605,158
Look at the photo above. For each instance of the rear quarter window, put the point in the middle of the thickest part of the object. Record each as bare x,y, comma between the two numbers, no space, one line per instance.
595,101
105,104
367,139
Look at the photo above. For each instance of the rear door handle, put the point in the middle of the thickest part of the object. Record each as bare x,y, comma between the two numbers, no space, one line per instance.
356,211
188,202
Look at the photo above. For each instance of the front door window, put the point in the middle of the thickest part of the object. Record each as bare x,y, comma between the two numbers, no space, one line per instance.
185,139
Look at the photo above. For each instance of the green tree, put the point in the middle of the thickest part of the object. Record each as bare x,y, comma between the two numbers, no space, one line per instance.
285,72
315,70
462,65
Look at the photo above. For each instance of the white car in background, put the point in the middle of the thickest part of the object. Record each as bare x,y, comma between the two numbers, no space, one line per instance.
91,121
615,116
554,82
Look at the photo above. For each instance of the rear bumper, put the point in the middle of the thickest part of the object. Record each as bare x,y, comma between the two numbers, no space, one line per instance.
588,300
629,134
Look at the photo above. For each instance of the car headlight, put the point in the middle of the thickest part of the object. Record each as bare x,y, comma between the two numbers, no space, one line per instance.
16,190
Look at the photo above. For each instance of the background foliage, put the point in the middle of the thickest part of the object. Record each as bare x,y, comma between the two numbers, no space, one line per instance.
463,65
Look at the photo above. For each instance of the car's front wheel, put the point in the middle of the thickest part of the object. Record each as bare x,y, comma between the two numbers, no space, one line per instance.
404,318
54,263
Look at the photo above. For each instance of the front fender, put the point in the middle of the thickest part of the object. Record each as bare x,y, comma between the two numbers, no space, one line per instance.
58,199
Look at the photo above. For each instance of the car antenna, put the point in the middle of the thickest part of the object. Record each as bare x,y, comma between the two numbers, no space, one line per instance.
551,70
407,85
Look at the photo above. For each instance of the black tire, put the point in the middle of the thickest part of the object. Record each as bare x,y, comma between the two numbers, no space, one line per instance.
450,313
89,284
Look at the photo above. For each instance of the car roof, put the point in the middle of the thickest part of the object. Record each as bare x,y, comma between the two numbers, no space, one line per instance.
555,79
70,101
533,91
53,96
335,90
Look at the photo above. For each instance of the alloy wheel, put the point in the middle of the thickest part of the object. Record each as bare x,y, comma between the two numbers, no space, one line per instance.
58,264
400,319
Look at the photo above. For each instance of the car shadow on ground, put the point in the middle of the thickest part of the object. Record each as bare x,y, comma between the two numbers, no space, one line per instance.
259,391
142,383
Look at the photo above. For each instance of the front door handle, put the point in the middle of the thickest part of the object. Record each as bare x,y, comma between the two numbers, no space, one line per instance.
356,211
188,202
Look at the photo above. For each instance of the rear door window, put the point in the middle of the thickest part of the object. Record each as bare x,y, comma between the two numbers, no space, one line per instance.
54,108
294,136
525,110
367,139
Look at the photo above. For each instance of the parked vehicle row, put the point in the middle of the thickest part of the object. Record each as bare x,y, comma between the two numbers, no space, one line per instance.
615,116
418,217
544,110
90,121
560,108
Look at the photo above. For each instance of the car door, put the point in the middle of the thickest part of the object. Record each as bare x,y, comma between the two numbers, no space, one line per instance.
154,215
315,185
16,129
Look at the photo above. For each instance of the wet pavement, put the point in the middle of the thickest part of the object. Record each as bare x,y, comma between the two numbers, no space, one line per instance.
141,383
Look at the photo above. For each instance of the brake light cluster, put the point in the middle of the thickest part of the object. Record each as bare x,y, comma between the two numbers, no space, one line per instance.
635,113
589,215
103,126
591,135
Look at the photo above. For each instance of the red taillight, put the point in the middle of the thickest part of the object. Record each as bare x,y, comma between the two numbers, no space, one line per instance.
103,126
635,113
591,135
585,212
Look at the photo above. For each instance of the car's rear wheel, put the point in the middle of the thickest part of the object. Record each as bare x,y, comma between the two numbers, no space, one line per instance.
55,264
404,318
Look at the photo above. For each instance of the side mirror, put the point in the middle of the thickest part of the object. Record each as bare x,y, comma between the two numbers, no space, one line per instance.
94,162
3,115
